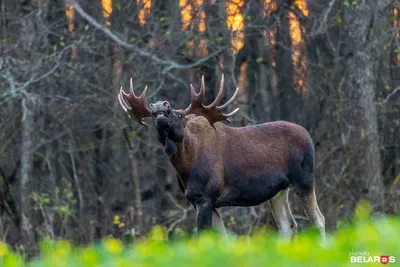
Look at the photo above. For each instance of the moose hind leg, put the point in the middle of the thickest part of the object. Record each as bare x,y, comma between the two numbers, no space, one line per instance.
309,202
218,223
282,214
302,178
293,223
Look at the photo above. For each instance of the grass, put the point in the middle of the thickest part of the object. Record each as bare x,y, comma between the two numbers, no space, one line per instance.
370,235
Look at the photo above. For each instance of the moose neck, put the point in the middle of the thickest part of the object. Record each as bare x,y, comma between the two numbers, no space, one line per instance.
184,157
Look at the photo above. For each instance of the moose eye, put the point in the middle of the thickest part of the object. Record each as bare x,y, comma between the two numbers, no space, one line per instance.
179,114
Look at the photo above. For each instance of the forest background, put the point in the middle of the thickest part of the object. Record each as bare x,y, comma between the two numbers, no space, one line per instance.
74,166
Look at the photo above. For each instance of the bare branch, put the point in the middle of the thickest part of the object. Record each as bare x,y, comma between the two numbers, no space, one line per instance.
390,95
75,175
16,91
169,64
323,25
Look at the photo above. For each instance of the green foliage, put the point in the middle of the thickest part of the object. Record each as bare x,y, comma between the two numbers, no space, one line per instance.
376,236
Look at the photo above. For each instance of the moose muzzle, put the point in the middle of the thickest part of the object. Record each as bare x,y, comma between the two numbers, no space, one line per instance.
161,110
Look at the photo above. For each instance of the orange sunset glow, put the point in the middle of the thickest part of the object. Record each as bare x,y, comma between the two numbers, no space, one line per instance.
186,13
396,26
107,10
299,48
190,11
70,14
270,6
202,17
235,23
144,10
202,45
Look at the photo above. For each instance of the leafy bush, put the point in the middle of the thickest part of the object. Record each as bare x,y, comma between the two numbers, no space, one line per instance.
371,236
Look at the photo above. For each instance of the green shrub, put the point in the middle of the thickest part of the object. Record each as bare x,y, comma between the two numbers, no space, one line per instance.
371,236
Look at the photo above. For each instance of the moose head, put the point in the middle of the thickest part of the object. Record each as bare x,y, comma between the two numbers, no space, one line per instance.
219,165
170,123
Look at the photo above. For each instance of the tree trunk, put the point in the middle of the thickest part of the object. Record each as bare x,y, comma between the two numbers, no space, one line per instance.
259,66
135,179
284,66
26,183
365,32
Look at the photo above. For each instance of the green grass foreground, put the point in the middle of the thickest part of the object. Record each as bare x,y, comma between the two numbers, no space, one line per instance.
376,236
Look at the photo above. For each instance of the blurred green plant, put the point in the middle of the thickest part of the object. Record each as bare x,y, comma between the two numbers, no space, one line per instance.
372,236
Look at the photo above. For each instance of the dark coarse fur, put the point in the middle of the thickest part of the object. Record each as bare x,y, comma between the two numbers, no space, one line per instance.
227,166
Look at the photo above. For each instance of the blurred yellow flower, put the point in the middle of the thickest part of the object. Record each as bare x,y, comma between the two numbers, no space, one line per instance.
113,245
116,219
373,236
363,210
63,248
3,249
157,234
89,256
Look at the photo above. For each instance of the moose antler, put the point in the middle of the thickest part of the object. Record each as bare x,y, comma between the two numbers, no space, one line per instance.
211,112
136,109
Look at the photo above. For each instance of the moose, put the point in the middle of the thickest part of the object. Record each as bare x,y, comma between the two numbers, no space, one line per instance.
219,165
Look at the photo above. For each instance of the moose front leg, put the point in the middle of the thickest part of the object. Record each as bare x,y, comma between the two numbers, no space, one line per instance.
204,214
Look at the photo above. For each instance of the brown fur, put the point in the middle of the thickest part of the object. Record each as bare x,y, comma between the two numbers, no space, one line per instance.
267,146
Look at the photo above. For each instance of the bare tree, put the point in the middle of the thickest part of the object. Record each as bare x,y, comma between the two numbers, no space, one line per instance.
367,30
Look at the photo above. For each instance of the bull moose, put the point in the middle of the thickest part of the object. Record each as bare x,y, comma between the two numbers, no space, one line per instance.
219,165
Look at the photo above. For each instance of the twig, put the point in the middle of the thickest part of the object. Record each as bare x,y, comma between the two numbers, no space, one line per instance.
174,201
390,95
157,89
324,22
21,90
182,218
172,226
74,173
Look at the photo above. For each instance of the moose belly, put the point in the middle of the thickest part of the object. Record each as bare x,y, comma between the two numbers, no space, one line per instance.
250,190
